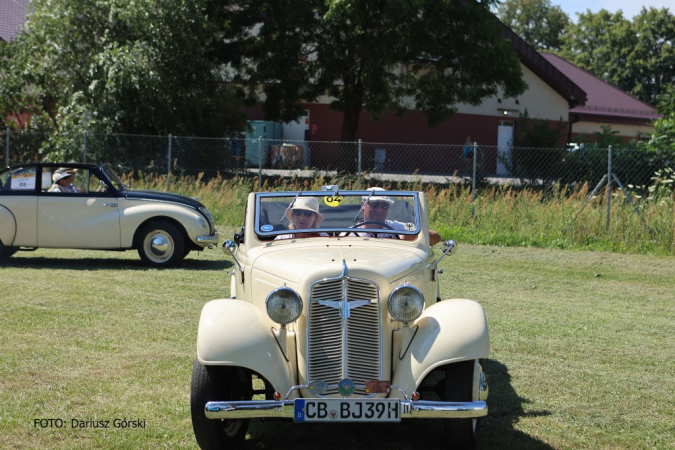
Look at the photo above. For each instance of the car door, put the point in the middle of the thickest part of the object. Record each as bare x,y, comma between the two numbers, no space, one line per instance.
87,219
18,206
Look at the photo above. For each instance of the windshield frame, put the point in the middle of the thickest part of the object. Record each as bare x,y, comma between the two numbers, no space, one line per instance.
114,179
259,196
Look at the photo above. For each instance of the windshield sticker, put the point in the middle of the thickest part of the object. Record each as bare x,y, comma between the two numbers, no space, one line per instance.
267,228
23,181
333,201
410,226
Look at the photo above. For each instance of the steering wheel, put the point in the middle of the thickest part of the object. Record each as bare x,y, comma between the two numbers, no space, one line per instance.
369,222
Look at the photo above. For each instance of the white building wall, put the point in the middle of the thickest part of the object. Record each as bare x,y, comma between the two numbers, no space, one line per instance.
541,101
631,131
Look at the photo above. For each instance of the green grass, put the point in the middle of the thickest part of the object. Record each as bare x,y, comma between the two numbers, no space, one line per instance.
583,354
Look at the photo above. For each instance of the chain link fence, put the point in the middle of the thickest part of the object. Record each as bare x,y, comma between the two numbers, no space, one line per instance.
483,165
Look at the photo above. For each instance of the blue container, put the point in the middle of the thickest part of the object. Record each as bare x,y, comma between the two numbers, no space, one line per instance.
268,132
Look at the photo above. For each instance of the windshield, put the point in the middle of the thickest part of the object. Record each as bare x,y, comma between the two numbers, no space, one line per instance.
332,214
114,179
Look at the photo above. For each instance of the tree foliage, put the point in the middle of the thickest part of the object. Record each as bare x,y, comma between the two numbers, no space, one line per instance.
538,22
385,56
638,57
130,66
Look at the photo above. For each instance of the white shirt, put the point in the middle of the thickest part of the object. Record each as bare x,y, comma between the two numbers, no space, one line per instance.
395,225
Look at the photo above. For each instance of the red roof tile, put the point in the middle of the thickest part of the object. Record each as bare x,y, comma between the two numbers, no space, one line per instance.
603,99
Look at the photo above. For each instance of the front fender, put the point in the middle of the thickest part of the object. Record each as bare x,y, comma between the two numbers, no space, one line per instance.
236,333
7,226
449,331
133,213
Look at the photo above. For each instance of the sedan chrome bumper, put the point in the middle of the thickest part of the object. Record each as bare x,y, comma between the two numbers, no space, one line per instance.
208,241
285,409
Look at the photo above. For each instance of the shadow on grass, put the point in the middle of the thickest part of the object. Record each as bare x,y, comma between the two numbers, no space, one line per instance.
497,430
107,262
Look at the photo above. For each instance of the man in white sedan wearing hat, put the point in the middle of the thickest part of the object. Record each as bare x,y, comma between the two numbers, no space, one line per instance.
63,181
376,208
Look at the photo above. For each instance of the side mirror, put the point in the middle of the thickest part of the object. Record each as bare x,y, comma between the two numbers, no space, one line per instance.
229,245
446,248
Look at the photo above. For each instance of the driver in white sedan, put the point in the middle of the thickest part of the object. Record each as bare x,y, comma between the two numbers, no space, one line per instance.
376,208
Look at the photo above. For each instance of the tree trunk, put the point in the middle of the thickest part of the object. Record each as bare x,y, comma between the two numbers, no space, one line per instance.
350,121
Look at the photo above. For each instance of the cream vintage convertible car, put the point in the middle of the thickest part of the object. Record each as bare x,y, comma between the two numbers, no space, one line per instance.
338,323
87,206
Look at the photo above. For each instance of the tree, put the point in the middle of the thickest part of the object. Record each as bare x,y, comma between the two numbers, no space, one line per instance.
384,55
536,21
15,99
652,61
127,67
638,57
601,43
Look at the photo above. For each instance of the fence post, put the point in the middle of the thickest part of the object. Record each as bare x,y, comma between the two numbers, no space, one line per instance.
260,163
168,174
358,185
84,155
609,183
7,160
475,157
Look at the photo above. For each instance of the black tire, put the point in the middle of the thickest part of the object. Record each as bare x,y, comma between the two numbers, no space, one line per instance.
161,244
458,387
210,383
7,252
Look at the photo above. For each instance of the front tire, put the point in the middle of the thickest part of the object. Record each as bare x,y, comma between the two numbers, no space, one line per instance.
211,383
458,387
6,252
161,244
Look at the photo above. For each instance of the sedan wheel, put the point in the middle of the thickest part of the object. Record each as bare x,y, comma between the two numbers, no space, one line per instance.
161,244
6,252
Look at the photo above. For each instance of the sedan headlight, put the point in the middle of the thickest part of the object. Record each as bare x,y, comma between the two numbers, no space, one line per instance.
284,305
405,303
204,210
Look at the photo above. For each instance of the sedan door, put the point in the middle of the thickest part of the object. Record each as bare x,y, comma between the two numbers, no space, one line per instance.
88,219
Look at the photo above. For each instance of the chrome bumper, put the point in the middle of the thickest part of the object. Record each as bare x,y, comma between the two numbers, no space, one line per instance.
285,409
208,241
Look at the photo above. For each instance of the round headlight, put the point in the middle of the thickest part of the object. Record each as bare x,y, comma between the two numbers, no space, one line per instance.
284,305
405,303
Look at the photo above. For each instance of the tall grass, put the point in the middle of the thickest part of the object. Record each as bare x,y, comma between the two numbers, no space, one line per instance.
500,215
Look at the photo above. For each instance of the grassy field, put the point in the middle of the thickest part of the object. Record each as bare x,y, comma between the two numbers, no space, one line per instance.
583,354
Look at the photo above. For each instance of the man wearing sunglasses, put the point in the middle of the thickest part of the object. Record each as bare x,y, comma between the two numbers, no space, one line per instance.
376,209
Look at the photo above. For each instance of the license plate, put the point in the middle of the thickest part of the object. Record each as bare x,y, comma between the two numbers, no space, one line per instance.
344,410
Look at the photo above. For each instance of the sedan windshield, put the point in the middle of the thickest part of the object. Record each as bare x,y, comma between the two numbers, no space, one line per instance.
114,179
348,213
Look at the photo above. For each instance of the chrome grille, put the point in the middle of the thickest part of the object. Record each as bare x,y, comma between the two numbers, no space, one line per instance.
344,348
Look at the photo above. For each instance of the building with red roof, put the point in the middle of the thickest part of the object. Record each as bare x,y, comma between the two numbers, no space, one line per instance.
605,105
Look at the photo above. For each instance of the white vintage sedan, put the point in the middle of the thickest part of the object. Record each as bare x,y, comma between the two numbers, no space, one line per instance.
335,315
86,206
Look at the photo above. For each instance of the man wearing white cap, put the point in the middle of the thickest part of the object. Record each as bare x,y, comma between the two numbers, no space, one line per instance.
376,209
63,181
303,214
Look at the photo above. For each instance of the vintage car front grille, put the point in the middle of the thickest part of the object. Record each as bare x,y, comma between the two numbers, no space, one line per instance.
344,337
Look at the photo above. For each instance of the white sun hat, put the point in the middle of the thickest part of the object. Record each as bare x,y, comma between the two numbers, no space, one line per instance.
377,198
307,204
60,174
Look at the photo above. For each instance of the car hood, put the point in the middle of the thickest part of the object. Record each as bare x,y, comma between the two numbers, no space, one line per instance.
378,263
162,196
